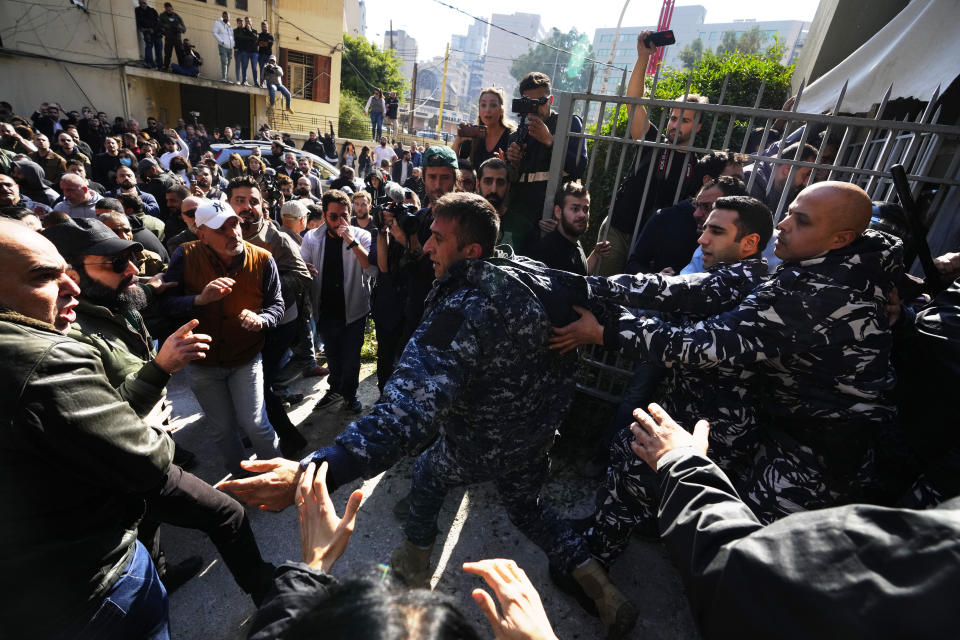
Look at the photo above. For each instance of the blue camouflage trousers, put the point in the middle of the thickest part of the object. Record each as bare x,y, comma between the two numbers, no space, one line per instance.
627,500
436,471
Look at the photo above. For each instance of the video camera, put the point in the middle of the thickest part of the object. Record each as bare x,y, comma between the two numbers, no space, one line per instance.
523,107
405,215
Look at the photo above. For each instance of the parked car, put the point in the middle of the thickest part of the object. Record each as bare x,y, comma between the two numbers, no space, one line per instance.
222,153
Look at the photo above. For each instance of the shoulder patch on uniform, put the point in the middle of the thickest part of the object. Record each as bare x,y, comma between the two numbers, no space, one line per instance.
443,328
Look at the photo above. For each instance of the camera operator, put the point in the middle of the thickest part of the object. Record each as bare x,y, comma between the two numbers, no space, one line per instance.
528,155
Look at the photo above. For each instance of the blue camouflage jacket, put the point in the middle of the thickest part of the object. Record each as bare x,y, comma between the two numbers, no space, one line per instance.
721,394
817,331
477,371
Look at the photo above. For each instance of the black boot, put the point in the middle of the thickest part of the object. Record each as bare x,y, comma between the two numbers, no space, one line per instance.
176,575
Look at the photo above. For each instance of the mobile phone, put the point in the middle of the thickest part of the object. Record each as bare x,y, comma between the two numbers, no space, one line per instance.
660,38
468,130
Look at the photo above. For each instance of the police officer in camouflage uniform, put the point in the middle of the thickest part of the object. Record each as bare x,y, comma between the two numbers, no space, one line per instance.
734,235
818,337
477,373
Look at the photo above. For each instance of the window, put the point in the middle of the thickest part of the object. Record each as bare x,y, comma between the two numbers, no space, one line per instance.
603,52
307,75
241,5
222,3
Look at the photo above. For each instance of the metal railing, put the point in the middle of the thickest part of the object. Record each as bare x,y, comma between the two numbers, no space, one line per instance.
868,148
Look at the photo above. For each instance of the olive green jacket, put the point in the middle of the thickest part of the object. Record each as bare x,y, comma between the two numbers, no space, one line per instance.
126,350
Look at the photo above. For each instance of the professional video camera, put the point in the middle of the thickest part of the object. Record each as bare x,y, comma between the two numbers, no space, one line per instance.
523,107
405,215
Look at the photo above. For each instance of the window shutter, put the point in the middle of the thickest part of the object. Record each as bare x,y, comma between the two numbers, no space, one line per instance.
321,84
286,69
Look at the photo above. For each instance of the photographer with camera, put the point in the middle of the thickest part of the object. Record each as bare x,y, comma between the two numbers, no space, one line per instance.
529,157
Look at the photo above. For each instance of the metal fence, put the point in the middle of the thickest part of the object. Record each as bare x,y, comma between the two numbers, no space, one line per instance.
868,148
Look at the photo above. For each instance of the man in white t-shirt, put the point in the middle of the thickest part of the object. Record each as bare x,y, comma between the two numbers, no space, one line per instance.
383,152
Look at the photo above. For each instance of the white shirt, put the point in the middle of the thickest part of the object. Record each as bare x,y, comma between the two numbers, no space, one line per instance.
381,153
223,32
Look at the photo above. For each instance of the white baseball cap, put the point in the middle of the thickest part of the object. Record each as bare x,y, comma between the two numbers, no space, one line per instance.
212,214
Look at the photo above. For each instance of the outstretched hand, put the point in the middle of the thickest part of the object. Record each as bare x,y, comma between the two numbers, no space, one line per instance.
586,330
657,433
523,616
272,490
323,536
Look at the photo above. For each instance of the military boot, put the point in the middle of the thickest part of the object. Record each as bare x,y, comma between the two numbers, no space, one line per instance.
616,612
412,564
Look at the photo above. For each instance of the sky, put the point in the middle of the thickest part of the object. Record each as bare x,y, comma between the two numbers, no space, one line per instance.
432,23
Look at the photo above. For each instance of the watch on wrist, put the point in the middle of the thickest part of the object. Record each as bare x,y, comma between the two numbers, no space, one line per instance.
352,244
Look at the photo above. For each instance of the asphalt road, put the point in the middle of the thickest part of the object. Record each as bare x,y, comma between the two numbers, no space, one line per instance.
212,607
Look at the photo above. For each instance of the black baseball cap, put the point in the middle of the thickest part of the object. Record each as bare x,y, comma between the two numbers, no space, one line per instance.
87,237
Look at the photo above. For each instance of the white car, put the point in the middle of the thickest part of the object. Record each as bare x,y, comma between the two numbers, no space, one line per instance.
245,147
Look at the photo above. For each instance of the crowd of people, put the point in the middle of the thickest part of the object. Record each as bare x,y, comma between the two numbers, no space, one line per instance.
789,350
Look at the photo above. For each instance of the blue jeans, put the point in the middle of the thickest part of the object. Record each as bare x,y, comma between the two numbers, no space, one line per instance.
185,71
233,397
152,49
273,88
376,126
237,63
225,54
136,607
262,60
343,344
246,58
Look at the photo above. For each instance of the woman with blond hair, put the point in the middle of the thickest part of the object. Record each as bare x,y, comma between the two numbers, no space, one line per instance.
479,145
235,167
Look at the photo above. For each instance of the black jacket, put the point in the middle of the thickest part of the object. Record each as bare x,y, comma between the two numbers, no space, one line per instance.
296,590
74,461
857,571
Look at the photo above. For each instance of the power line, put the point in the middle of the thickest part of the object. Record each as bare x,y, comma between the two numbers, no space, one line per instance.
514,33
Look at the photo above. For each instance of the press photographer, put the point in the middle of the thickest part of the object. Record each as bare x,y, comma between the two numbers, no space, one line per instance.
528,156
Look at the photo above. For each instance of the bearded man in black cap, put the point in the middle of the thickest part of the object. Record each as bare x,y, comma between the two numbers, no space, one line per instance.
108,319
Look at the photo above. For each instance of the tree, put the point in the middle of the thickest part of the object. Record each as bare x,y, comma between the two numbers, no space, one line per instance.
567,71
750,41
692,53
366,66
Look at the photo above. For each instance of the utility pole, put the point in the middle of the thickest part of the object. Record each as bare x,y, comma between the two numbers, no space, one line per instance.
443,89
391,34
413,98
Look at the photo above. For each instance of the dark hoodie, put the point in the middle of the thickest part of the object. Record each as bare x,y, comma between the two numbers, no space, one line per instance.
33,185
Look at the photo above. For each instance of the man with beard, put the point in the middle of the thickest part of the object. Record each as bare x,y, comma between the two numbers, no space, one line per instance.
127,184
560,249
440,178
155,180
244,197
108,319
203,184
415,183
148,262
670,168
10,197
69,535
185,210
340,295
494,183
233,288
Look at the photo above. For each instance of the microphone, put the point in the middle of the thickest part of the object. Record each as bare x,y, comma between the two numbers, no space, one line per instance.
394,191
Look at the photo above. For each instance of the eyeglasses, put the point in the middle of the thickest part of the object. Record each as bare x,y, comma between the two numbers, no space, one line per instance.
118,263
335,216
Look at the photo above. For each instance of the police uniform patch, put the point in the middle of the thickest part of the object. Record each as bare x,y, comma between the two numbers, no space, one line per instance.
443,328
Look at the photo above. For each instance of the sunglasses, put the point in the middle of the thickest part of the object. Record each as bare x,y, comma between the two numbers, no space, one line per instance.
190,213
118,263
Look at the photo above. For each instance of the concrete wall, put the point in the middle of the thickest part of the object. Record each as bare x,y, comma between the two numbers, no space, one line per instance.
100,41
